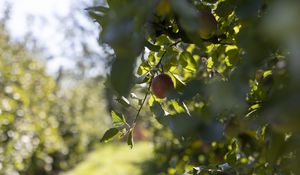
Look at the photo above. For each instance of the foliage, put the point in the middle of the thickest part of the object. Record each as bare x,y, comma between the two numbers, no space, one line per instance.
234,108
44,127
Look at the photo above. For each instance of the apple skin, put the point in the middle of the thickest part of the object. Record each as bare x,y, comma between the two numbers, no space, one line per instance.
209,24
161,85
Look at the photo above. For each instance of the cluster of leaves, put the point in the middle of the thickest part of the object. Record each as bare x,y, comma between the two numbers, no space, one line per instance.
234,107
44,127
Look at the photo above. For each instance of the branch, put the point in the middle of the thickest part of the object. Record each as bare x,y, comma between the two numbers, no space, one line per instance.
143,102
148,89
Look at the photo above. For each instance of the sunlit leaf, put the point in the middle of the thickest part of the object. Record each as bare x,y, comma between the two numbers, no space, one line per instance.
124,101
186,108
188,58
117,119
109,134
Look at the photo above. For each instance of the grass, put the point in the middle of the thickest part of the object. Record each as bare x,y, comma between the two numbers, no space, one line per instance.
115,159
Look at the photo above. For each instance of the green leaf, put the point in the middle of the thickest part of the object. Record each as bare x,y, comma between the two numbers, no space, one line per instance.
151,46
211,1
157,109
142,79
267,73
121,75
117,119
177,106
188,58
181,124
124,101
178,79
143,68
163,40
170,57
187,14
224,9
130,141
99,18
134,96
123,132
109,134
230,158
186,109
98,9
232,57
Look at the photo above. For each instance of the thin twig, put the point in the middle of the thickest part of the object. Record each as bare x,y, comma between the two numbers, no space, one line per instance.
143,102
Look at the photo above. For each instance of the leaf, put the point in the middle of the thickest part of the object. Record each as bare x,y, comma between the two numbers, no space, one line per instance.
197,170
267,73
151,46
181,124
123,132
109,134
188,58
117,119
98,9
210,64
230,158
177,106
186,109
133,96
142,79
163,40
121,75
178,79
99,18
124,101
191,89
224,9
130,141
224,166
187,14
143,68
232,57
157,109
211,1
170,58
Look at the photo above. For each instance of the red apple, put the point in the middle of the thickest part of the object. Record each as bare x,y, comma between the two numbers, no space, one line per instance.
161,85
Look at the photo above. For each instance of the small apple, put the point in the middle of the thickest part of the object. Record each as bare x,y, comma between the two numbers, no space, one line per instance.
209,24
161,85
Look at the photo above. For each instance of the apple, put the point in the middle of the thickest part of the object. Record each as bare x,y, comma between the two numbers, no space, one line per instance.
209,24
161,85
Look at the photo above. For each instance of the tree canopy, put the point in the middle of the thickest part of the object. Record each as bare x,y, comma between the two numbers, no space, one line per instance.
234,63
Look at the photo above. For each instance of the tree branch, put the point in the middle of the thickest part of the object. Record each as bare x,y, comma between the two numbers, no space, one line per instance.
149,87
